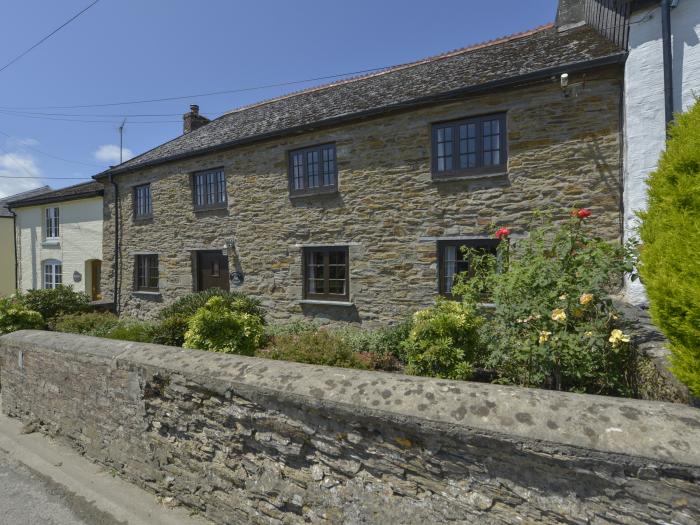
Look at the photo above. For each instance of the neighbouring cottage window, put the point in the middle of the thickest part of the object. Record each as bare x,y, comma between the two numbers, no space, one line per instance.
452,259
326,274
209,189
313,170
142,201
53,271
147,273
52,223
476,145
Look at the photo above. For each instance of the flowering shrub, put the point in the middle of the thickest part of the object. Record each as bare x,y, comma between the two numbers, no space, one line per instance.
443,341
553,325
15,316
215,327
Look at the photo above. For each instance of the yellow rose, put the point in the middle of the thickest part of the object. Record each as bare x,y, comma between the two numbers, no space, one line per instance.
617,337
544,336
562,297
585,298
558,314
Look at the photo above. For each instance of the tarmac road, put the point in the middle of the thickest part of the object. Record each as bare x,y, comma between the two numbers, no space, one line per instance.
26,498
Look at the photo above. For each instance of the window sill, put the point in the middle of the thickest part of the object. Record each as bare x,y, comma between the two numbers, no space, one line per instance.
211,208
143,218
145,293
51,243
468,176
326,303
315,193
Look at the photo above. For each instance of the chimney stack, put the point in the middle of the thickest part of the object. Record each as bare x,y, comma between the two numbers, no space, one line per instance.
570,14
193,120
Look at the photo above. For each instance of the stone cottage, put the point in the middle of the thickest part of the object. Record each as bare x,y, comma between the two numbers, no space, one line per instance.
350,201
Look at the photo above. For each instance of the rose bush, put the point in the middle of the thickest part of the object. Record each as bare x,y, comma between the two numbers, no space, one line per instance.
554,325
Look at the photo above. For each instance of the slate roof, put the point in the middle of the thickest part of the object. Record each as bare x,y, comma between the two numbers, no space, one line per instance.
539,52
5,212
77,191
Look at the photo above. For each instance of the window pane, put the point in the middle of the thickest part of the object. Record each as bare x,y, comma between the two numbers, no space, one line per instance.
221,187
298,171
444,142
211,188
312,168
492,142
200,183
314,272
51,226
328,166
467,146
336,272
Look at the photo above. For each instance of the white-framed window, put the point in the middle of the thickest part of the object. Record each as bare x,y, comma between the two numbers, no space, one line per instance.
52,223
53,271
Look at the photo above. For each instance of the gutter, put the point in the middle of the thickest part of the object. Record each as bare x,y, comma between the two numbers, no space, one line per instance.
574,67
50,200
668,58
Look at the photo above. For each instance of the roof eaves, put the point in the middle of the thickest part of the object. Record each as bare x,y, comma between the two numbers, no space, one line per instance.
48,200
614,58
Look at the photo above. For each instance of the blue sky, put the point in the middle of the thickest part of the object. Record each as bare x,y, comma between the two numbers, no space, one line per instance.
126,50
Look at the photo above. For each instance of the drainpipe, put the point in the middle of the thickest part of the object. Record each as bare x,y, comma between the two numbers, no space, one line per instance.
668,57
14,240
116,244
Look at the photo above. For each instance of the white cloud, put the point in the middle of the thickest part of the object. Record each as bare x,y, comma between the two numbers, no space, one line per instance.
19,143
18,165
109,153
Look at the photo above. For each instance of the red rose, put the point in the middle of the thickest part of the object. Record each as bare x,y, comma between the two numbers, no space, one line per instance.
502,232
583,213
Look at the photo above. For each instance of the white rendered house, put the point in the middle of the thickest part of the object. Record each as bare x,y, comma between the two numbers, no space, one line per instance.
647,94
59,239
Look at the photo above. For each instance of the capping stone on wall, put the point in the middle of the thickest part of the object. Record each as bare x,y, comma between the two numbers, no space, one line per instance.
248,440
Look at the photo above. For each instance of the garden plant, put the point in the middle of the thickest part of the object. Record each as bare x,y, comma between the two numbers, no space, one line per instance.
670,236
553,324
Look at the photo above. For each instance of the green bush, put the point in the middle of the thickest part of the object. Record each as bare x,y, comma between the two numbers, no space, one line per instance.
188,305
294,327
216,327
379,349
15,316
51,303
318,348
171,330
444,341
670,235
553,325
97,324
132,330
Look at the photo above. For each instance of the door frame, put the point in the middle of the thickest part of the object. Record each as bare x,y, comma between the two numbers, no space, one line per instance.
196,266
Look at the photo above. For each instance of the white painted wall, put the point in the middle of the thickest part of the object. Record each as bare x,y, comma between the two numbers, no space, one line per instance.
80,241
645,129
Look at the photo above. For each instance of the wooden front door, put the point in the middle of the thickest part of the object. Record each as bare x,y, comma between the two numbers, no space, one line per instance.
96,275
212,270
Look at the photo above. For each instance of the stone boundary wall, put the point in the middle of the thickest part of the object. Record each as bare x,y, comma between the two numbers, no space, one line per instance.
246,440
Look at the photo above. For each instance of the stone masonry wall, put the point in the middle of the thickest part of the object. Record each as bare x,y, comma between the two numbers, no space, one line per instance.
563,151
246,440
